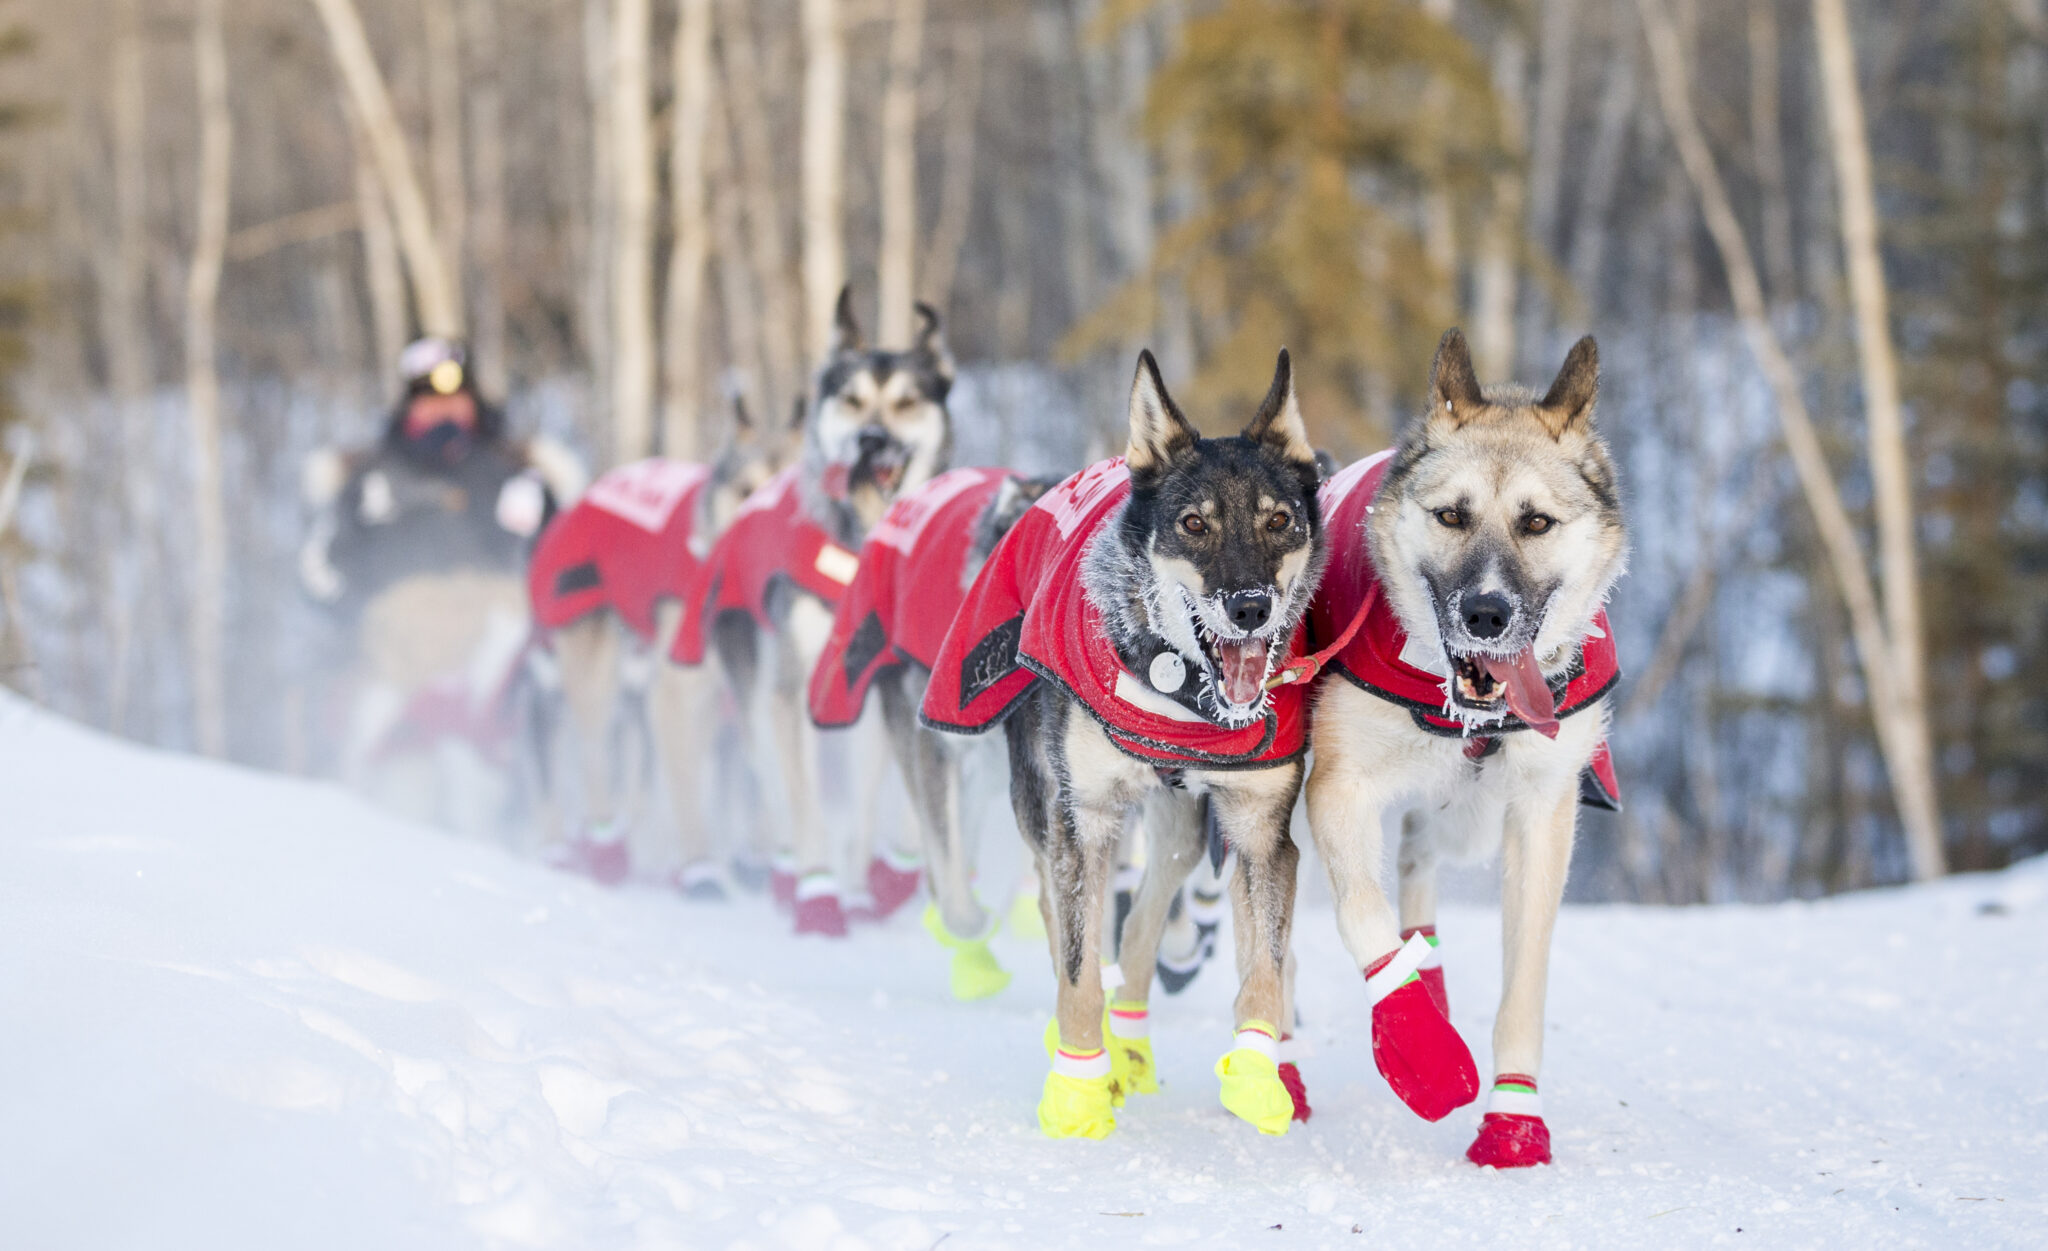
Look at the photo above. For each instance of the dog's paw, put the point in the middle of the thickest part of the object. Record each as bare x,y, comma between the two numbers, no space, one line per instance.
1415,1046
1251,1086
1080,1096
890,885
974,973
817,907
1509,1141
1126,1033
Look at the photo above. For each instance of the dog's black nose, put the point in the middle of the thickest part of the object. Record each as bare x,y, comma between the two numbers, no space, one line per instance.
1248,610
1487,616
872,439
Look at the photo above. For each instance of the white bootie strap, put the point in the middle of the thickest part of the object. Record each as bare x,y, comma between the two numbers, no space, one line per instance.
816,886
1130,1020
1085,1065
1112,977
1252,1036
1435,958
1399,969
1515,1095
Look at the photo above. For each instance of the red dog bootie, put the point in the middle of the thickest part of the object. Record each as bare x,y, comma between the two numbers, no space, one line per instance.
1418,1052
599,854
1513,1134
892,882
782,881
1431,970
817,906
1290,1077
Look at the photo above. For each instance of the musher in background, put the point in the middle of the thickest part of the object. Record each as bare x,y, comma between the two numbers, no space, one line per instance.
418,543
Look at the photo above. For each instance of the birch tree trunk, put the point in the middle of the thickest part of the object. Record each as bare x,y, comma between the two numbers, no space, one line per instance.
384,274
1560,33
1911,784
633,236
1891,481
956,186
202,384
682,348
739,304
445,139
824,170
781,304
595,253
1495,270
487,200
896,265
433,285
1439,216
125,328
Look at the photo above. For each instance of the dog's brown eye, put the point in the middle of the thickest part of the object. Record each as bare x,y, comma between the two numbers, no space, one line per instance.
1193,524
1279,521
1450,517
1537,524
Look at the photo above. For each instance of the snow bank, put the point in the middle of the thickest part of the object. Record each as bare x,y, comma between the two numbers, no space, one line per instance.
242,1011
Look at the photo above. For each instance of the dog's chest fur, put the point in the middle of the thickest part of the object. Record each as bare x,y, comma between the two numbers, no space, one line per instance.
1418,768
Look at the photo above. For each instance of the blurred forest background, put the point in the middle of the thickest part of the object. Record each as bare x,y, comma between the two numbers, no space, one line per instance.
1812,240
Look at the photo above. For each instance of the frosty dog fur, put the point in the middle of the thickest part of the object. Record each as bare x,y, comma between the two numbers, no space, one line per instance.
1497,534
1158,582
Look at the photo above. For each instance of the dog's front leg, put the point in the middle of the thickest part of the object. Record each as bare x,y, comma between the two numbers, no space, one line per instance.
1536,853
1080,1091
1253,809
1416,1049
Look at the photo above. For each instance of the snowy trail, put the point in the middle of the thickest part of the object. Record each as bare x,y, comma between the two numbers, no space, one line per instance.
243,1011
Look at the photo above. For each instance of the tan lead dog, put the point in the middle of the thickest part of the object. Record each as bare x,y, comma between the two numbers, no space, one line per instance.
1494,538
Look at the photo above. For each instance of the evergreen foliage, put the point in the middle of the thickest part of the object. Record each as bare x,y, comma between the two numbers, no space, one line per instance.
1316,128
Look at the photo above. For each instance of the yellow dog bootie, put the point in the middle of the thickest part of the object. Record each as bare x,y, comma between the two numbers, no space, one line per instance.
1080,1094
974,973
1127,1032
1250,1073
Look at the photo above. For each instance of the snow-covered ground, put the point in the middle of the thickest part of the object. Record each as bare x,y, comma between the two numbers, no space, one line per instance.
242,1011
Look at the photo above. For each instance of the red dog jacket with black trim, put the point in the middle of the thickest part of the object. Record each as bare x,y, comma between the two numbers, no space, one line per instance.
911,582
1372,660
771,538
626,545
1027,619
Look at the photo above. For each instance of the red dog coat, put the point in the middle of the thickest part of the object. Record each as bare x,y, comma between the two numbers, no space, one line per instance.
1027,619
1372,660
624,546
771,538
911,582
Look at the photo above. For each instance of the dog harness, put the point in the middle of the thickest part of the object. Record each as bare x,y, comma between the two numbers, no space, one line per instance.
771,539
629,543
1028,619
911,582
1352,597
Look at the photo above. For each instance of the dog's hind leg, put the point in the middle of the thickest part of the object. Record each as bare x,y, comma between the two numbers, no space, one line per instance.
588,651
1535,855
1174,840
683,713
1416,863
932,773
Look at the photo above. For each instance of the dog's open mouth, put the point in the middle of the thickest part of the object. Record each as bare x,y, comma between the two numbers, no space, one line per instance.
1484,683
1240,665
883,469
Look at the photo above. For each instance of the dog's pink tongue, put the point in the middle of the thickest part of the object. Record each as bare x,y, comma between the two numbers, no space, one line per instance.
1528,694
1241,669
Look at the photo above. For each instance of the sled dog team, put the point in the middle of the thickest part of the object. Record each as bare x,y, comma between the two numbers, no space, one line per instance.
1162,637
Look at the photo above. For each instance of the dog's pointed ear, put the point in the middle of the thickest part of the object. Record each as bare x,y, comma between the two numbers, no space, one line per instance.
930,340
1158,431
1570,399
1453,387
846,335
1278,422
